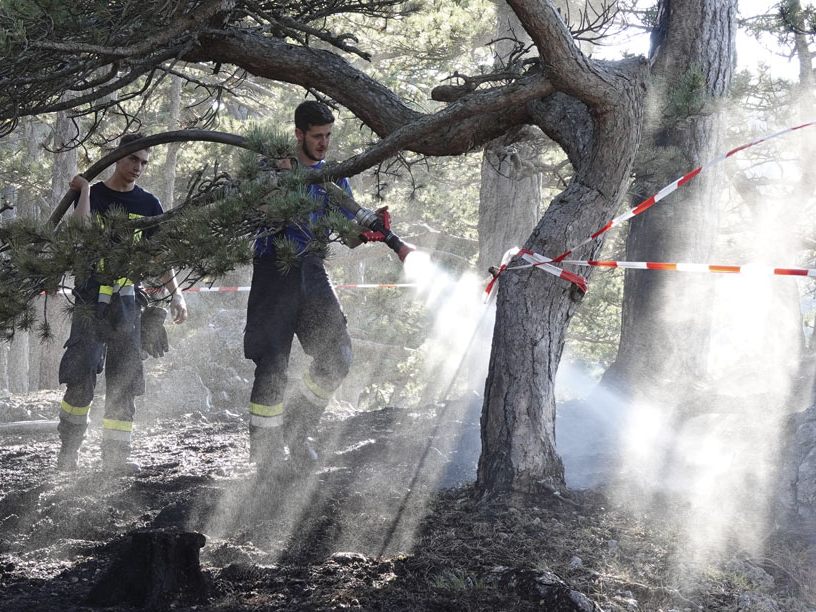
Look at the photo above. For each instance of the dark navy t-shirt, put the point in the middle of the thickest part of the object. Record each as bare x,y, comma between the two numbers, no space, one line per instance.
137,202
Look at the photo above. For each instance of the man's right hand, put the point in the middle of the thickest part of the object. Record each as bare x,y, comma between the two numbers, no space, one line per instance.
178,307
79,183
377,236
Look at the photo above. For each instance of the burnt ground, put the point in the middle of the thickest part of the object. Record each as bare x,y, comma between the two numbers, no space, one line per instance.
390,522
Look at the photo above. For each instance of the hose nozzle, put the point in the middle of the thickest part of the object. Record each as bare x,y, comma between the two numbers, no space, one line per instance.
370,220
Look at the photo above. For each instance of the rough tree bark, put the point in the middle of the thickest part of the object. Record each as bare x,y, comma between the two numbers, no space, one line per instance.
665,322
597,122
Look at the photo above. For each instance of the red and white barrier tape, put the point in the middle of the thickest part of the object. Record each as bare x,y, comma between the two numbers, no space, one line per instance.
537,260
757,269
545,263
214,289
674,186
340,286
376,286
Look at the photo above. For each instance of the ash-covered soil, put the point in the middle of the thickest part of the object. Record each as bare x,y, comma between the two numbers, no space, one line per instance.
390,522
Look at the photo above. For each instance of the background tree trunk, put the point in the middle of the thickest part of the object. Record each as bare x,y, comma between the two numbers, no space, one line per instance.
510,192
666,317
50,352
7,196
806,154
17,353
173,123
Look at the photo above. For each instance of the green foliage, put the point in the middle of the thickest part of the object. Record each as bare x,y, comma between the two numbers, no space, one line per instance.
649,16
795,18
17,16
595,329
207,237
687,96
457,580
269,141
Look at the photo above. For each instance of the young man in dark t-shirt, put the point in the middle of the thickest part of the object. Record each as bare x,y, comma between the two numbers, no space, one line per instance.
111,339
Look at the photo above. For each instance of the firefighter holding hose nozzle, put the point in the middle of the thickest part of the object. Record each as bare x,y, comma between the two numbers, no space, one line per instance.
301,302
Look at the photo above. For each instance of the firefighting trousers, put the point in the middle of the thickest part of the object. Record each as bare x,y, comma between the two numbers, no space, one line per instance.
94,346
281,306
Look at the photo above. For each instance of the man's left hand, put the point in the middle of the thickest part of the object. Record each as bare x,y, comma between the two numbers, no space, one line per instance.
178,308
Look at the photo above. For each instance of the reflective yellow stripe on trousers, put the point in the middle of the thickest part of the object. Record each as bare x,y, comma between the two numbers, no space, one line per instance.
313,392
265,416
117,430
77,415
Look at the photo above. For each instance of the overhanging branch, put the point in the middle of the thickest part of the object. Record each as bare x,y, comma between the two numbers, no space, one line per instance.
144,143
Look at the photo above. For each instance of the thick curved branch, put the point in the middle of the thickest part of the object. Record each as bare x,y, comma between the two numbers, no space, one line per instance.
144,143
376,105
568,68
458,128
566,121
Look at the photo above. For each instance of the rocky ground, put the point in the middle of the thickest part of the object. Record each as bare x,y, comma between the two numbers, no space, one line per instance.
390,522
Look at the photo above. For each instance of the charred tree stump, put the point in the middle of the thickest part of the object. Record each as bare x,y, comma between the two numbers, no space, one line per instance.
156,567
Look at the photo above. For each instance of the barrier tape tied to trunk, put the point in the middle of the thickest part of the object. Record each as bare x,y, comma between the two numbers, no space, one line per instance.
545,263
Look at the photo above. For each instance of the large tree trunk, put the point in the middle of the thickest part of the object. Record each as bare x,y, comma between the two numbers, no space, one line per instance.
509,196
598,124
666,317
806,154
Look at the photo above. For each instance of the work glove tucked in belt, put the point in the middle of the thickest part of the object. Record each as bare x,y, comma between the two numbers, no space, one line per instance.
154,336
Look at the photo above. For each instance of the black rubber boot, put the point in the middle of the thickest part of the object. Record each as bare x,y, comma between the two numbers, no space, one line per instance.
67,459
115,459
266,449
71,437
300,425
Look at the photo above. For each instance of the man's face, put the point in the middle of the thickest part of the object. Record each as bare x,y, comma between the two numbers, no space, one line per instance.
130,168
314,142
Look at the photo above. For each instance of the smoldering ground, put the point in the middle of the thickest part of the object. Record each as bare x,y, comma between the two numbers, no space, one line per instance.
365,533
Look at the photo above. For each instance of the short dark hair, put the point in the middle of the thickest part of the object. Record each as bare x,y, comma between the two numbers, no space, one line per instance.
312,112
128,138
